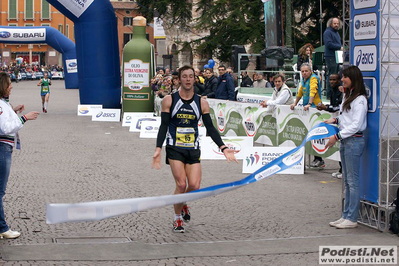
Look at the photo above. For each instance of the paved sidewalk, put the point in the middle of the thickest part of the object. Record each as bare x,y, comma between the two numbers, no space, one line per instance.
65,159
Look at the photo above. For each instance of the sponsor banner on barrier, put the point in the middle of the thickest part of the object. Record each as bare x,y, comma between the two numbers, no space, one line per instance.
252,98
256,157
210,151
136,74
138,121
57,75
128,117
76,7
293,127
88,110
149,129
107,115
72,65
22,34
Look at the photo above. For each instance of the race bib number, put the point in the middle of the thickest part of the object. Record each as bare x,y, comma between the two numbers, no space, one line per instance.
185,137
45,89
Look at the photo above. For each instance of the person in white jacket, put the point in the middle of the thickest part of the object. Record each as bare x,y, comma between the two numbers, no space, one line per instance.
352,121
10,124
282,95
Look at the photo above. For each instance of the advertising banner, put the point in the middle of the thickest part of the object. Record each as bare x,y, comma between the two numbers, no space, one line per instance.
256,157
240,145
137,122
22,34
149,129
76,7
107,115
72,65
128,118
293,125
365,47
88,110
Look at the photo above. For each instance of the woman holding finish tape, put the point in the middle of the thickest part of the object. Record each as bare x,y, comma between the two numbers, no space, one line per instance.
10,124
352,121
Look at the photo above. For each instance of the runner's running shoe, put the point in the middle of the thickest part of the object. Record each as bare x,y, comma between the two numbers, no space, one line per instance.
178,226
185,213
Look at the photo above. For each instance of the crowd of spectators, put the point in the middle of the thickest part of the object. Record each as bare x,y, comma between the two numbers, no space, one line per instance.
33,71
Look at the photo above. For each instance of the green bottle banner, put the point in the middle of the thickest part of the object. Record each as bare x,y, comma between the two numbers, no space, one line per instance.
138,69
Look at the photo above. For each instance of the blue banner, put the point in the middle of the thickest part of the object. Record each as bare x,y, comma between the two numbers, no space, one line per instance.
365,54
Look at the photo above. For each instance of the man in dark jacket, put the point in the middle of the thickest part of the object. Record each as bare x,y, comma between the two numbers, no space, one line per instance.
211,82
246,80
333,43
225,90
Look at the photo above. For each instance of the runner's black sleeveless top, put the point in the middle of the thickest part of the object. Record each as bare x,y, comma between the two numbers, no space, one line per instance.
183,126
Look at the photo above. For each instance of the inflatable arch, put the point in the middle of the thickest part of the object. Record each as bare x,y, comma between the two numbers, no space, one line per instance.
52,37
96,37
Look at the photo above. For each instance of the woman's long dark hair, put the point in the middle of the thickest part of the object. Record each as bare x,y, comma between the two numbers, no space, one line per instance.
356,77
4,84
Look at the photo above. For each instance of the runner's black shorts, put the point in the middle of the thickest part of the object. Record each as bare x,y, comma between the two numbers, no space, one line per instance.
186,156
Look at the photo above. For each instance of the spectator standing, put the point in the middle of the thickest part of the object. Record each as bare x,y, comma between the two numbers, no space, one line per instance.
335,102
10,124
260,81
225,90
211,82
352,121
199,75
310,89
332,42
246,80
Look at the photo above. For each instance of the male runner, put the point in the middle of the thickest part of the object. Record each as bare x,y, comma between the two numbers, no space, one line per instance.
179,122
45,83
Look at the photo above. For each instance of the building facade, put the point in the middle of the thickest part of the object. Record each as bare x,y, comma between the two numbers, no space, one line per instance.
28,13
125,11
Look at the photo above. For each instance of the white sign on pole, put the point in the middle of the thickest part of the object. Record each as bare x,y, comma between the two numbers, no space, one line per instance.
138,121
107,115
159,32
149,129
257,157
88,110
240,145
128,117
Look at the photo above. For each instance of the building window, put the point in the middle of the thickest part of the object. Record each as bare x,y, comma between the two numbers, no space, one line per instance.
46,24
12,9
127,37
61,28
29,9
127,21
12,25
127,12
45,10
28,25
67,30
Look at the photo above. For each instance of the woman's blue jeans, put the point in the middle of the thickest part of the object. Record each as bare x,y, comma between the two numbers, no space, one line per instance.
351,150
5,165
